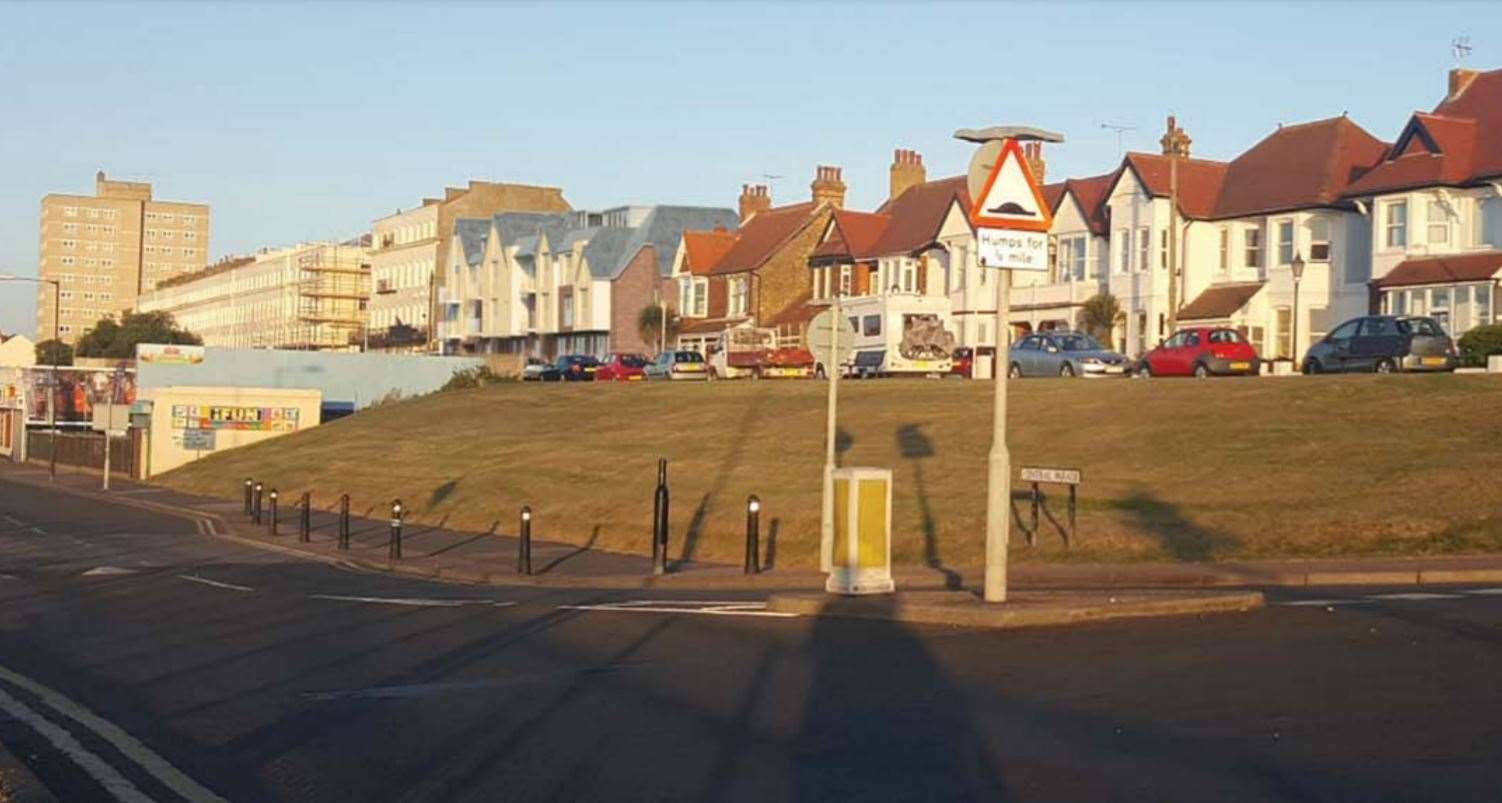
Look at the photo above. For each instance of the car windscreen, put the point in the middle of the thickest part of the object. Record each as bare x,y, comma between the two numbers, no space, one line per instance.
688,356
1420,326
1225,336
632,361
1077,343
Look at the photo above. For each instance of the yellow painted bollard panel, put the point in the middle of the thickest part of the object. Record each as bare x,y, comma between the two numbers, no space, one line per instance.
862,554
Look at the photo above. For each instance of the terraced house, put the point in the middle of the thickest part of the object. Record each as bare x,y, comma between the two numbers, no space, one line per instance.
543,285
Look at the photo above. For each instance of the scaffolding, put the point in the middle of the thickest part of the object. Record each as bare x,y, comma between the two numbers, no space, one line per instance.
333,289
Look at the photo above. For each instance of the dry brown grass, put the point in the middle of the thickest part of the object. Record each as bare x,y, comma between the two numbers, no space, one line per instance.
1174,469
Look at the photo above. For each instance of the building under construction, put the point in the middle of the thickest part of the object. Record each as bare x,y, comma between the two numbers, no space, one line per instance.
311,296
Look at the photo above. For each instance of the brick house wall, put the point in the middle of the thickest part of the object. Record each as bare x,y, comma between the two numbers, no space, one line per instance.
630,293
784,278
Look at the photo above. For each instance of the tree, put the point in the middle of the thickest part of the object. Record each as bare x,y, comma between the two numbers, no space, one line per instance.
649,323
1099,316
118,340
54,352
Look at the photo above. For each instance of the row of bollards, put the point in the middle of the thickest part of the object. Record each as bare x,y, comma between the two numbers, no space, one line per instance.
255,491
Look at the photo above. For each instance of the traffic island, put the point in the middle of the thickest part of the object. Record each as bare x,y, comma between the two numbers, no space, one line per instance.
1022,609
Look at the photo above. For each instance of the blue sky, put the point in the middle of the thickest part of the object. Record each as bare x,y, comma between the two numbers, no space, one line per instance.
308,121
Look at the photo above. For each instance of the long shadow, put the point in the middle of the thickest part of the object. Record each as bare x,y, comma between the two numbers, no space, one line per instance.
695,531
1181,538
773,528
862,739
915,446
589,544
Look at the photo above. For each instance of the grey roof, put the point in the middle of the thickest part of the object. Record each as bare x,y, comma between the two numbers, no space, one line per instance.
472,235
607,249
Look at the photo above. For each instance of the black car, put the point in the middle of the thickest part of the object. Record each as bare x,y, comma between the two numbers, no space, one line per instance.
576,367
1383,344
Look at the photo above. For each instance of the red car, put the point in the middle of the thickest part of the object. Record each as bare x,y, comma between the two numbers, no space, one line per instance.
621,368
1202,351
962,362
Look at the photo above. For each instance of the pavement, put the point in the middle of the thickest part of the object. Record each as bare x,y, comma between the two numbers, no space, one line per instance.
490,558
141,660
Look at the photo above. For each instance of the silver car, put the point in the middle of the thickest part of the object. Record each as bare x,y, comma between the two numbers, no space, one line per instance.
1064,354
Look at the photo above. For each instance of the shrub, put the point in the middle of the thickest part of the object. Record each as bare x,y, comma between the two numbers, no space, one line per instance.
1479,343
469,378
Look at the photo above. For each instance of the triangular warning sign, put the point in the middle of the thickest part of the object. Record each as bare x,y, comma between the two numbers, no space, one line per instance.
1011,198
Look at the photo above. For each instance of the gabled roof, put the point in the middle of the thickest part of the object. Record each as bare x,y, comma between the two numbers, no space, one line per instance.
1443,270
761,236
704,249
1090,194
1199,181
1219,301
1459,143
663,227
852,235
607,249
1298,167
917,214
472,235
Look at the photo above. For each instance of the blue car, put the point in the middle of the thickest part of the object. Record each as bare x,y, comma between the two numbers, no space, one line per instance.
1064,354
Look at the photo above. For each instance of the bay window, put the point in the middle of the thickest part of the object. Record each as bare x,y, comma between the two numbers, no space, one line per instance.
1395,223
1225,249
1251,242
1319,239
1144,245
1439,223
1285,242
739,295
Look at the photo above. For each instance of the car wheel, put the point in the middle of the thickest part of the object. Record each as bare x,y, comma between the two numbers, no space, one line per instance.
1311,367
1066,370
1015,372
1384,366
1145,371
819,372
1201,371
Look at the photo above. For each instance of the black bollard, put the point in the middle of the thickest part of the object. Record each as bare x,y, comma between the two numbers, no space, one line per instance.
524,543
660,520
255,513
1032,534
753,535
249,483
344,521
273,511
306,524
395,551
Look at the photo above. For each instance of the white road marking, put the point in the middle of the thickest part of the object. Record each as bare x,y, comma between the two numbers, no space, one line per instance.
706,607
130,747
193,578
1484,591
105,775
7,577
1415,596
1321,603
38,530
421,603
101,571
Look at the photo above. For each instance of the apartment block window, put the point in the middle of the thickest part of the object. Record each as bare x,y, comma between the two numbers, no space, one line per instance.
1439,223
1143,246
739,295
70,227
1319,239
1395,221
70,211
1251,243
94,213
1285,242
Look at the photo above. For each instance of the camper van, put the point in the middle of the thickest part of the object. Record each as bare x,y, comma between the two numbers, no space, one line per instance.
900,334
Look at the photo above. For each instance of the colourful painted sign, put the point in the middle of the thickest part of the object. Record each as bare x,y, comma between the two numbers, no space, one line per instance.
214,416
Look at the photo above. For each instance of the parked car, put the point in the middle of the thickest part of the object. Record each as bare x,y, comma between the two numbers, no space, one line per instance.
1064,354
621,368
1202,351
1383,344
537,369
577,367
962,362
677,365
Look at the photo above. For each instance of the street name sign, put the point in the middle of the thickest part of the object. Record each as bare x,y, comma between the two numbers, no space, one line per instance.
1010,215
1063,476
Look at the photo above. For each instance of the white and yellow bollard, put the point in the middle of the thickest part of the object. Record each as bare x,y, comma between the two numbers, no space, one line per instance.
861,562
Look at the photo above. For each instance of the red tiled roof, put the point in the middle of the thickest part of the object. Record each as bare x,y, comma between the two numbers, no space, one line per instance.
1219,301
704,249
1090,193
917,214
1458,143
1442,270
758,238
1297,166
1053,193
852,235
1199,181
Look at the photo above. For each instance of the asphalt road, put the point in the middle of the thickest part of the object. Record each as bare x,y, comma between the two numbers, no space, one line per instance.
140,660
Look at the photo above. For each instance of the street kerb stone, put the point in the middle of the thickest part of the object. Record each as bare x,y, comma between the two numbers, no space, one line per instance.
1023,609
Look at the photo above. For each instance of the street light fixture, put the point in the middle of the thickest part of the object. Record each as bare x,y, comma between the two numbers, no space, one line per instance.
1297,269
57,314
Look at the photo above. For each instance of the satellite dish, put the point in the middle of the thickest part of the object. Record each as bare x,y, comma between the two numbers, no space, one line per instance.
819,335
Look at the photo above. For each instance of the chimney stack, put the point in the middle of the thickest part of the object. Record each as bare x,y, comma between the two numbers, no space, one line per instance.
1175,140
907,172
754,198
1460,80
828,187
1033,153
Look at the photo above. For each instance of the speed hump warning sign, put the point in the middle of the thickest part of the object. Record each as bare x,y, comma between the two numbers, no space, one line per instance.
1010,216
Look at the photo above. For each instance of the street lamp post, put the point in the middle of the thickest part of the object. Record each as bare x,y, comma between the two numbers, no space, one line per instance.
1297,268
57,314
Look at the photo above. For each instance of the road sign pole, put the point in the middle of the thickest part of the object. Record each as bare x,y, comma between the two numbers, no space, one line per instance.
999,466
832,370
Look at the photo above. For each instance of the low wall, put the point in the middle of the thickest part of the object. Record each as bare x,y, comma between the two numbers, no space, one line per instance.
83,450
